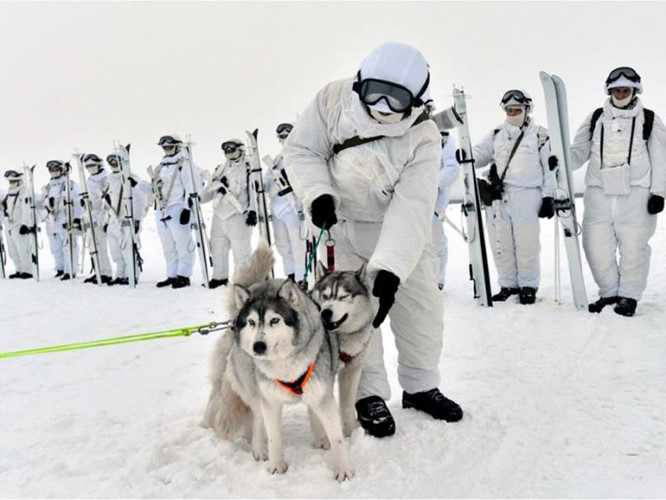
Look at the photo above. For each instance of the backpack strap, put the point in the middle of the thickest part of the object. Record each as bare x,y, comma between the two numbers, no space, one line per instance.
357,141
595,118
648,122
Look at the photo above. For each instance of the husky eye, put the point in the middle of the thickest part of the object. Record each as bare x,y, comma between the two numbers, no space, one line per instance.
251,322
275,321
344,297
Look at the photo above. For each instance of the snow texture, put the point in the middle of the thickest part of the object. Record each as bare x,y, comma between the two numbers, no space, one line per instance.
557,403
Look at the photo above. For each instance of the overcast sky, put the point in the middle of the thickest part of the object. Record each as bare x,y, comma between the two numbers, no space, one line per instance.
83,74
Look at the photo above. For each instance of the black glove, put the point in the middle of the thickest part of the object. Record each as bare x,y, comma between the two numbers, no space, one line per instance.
655,204
132,181
24,229
461,156
51,202
224,181
105,227
251,218
385,288
137,226
323,211
547,207
107,199
222,190
184,216
76,224
553,162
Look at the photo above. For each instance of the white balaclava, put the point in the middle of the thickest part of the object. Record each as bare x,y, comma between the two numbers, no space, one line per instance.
397,63
517,120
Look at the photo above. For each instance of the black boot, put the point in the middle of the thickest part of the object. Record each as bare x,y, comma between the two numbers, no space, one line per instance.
14,276
107,280
181,282
597,307
375,417
25,276
434,404
214,283
120,281
527,295
505,293
166,282
65,277
92,279
625,306
59,273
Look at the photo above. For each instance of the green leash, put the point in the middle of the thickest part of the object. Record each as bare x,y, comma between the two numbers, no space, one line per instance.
308,268
176,332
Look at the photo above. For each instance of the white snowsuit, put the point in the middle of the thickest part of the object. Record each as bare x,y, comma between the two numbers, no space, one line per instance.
614,223
174,183
287,216
513,222
119,234
97,185
448,173
20,247
384,194
229,230
55,204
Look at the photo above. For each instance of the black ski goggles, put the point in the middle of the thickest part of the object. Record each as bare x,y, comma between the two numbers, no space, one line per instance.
168,141
54,164
230,146
91,159
284,129
13,175
398,98
516,95
629,73
113,160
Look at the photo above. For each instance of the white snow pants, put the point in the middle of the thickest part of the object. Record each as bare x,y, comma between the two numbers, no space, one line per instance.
58,243
287,231
229,234
442,248
102,250
618,224
121,251
177,243
513,230
416,318
20,248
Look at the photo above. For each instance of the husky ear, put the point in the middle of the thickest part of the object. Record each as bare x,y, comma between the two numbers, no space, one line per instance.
362,272
320,270
289,292
241,296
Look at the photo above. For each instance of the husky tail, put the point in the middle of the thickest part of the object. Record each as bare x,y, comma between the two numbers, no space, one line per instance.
226,413
256,269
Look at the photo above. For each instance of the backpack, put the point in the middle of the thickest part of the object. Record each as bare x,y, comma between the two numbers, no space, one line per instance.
648,116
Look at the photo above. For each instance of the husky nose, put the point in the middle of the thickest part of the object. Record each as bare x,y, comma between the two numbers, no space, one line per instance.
259,347
326,314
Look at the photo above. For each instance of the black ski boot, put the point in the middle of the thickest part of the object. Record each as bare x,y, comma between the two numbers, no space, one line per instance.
65,277
162,284
92,279
625,306
597,307
214,283
181,282
25,276
375,417
14,276
505,293
527,295
434,404
59,273
107,280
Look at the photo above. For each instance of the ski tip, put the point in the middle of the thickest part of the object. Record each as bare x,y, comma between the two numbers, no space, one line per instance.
255,133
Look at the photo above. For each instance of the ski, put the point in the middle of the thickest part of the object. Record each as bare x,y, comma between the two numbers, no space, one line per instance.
70,219
472,210
89,221
258,184
128,222
565,207
3,258
29,173
199,227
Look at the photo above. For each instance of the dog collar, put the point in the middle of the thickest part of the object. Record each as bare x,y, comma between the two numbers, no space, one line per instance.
296,387
345,358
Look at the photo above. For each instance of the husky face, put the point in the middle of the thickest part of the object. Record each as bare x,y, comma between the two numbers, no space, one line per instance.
267,325
344,298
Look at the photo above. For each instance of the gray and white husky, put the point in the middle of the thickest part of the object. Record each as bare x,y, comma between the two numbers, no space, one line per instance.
277,353
347,310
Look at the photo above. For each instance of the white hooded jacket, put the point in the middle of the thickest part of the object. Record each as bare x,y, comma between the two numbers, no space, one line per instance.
528,167
237,175
648,159
392,180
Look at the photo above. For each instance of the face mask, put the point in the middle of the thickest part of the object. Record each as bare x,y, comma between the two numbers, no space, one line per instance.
621,103
234,155
386,119
14,187
516,120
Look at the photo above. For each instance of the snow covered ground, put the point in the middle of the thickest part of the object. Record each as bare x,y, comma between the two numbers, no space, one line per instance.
558,403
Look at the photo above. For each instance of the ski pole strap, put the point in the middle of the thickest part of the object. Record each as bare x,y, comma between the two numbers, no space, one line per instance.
330,253
176,332
313,255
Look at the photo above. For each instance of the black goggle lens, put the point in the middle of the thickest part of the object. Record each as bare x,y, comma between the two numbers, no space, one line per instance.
230,147
284,128
398,98
514,94
629,73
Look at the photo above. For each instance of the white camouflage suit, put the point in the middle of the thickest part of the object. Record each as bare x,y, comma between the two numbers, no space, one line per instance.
287,213
175,185
621,224
384,192
97,185
513,222
229,230
448,173
119,236
55,205
20,247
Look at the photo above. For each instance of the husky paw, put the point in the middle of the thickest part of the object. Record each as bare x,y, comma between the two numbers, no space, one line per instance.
344,473
321,442
278,468
260,456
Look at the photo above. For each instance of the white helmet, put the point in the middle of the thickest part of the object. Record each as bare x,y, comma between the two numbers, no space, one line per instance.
624,76
517,97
